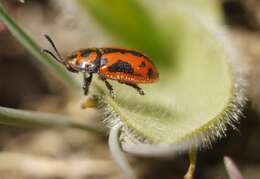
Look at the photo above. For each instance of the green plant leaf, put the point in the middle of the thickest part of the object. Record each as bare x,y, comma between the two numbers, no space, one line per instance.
197,95
130,23
33,48
39,119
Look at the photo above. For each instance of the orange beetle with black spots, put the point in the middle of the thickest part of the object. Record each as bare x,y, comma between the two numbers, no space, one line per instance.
123,65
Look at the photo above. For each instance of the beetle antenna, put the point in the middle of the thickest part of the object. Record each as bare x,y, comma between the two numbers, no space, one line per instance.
51,54
59,58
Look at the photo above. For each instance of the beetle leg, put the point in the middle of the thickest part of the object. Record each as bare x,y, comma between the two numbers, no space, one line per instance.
109,86
87,81
135,86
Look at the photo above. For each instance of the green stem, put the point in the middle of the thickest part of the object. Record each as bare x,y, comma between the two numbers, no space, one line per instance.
193,160
33,48
117,154
39,119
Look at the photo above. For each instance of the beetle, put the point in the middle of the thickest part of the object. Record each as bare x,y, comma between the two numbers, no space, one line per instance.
126,66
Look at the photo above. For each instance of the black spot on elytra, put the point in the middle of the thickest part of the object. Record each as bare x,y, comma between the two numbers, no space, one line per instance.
150,73
142,64
121,66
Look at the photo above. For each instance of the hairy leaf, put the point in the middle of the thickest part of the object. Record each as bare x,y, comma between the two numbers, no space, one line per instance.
198,93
